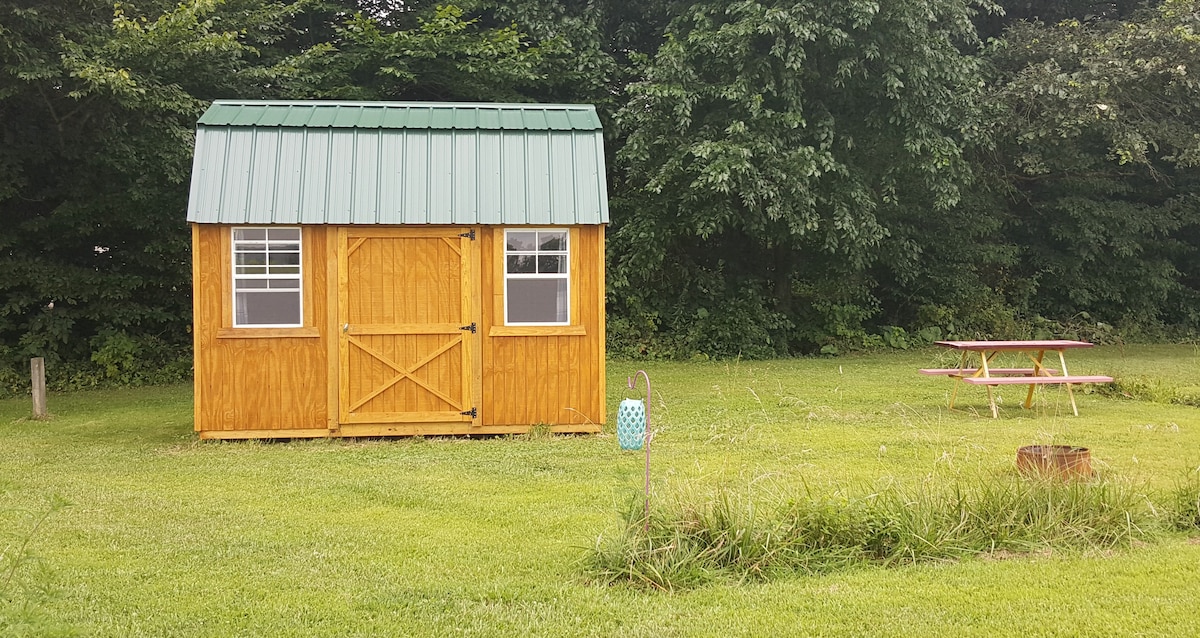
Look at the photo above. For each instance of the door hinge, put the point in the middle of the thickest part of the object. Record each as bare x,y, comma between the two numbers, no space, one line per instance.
470,235
471,413
471,327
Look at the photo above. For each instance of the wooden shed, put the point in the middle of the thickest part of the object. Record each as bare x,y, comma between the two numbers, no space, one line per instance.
380,268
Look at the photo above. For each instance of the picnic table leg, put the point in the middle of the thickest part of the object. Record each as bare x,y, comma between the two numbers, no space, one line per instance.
984,357
1062,361
962,365
1037,371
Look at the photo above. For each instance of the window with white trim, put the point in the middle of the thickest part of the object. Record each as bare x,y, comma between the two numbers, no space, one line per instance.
266,278
537,278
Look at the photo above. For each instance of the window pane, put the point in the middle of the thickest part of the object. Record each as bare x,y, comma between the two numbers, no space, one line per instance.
242,234
556,240
537,301
285,259
552,264
250,284
521,241
251,259
251,270
521,264
292,234
267,308
285,284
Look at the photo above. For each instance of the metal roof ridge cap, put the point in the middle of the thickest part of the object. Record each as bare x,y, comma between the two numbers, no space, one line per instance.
377,103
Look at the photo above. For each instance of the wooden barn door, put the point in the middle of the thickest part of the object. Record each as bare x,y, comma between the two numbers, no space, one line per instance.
406,314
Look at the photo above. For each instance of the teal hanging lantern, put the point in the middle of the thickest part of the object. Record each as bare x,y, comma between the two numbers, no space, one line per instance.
631,424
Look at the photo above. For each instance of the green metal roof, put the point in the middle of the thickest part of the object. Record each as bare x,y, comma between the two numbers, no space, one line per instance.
398,163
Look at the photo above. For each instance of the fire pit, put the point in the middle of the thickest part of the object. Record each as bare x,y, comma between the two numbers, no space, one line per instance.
1063,461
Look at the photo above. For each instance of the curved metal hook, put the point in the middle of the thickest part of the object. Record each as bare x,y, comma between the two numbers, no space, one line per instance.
631,382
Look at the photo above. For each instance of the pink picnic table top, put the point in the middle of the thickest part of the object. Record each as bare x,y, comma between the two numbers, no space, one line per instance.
1050,344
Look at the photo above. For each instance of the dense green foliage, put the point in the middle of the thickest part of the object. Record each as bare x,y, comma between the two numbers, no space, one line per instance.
98,108
785,177
769,144
1096,154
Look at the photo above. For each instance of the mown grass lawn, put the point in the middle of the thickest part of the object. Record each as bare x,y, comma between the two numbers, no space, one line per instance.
164,535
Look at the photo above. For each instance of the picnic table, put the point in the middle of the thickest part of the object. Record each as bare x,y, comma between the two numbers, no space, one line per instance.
1034,351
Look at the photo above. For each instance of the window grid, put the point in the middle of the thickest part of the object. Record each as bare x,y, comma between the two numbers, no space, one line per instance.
538,255
267,263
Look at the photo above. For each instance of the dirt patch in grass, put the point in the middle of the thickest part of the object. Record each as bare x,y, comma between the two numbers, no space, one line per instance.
1006,555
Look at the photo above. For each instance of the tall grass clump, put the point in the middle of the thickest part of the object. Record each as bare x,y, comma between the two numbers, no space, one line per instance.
692,538
1183,503
1152,389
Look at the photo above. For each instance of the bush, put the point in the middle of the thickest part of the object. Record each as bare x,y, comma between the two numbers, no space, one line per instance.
117,359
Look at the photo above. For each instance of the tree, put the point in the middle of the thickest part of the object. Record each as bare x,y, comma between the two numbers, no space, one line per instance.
434,53
1095,155
769,146
993,24
98,107
97,111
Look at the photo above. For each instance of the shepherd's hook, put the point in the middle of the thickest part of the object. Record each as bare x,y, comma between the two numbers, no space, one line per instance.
631,382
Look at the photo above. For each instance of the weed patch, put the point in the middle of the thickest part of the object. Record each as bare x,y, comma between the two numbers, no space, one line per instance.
691,539
1152,389
1183,505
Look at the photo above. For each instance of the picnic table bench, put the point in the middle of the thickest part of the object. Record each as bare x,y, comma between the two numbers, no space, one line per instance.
1039,374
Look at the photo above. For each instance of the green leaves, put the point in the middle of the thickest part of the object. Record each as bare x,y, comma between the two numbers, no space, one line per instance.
787,128
98,105
444,55
1095,127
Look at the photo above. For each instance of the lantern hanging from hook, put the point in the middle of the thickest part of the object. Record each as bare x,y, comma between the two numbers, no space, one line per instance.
631,424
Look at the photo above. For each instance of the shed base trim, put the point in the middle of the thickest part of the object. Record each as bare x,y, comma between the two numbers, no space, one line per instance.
393,429
263,434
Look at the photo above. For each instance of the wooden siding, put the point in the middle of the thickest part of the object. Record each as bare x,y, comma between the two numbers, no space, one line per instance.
251,379
254,383
553,374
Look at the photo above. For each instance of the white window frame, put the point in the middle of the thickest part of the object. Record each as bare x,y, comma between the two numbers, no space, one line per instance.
298,276
565,254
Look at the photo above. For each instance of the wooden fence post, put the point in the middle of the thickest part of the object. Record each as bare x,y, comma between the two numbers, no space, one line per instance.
37,371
